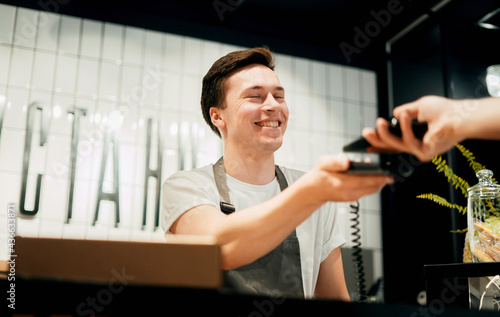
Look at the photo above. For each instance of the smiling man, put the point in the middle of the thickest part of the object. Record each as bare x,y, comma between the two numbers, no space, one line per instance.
276,226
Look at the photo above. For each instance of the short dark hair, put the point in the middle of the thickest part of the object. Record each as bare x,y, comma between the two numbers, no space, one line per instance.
214,83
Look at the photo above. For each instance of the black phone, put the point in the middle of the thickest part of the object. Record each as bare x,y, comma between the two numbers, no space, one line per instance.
365,159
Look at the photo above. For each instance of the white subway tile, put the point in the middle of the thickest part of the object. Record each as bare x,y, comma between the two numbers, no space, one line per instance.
66,74
48,31
129,85
5,66
337,116
112,42
43,71
26,27
211,53
153,50
91,39
53,205
29,227
319,78
87,78
191,92
101,230
369,116
378,267
371,202
301,115
17,104
4,248
140,160
11,150
371,231
192,56
7,18
302,80
44,98
126,213
319,145
38,154
119,234
300,147
10,187
151,85
129,127
351,89
169,128
69,41
319,113
335,81
81,211
171,98
74,230
170,163
106,218
369,83
335,144
134,46
353,124
174,52
58,157
109,81
20,67
284,70
127,157
61,122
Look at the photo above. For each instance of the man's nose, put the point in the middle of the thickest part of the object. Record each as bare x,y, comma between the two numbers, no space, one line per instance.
271,104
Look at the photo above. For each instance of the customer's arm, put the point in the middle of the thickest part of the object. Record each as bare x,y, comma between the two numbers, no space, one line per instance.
449,122
250,233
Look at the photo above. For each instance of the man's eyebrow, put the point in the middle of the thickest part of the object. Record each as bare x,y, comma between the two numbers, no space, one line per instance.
257,87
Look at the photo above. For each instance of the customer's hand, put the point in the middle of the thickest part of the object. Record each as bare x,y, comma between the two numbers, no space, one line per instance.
444,128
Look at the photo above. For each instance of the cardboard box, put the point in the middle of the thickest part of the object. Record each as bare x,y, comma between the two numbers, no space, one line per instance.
179,262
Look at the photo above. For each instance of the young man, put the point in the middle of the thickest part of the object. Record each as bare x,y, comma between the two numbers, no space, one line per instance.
276,227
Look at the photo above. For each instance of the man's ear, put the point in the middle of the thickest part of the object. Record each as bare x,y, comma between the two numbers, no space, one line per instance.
217,118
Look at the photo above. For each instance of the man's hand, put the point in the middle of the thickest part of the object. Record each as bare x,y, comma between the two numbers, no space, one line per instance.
330,182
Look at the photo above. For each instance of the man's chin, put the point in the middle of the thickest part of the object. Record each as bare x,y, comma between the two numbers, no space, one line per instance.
272,144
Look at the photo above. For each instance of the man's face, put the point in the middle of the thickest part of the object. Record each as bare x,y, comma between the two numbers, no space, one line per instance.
256,113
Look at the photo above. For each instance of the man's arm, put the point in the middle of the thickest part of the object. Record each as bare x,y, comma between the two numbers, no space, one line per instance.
250,233
331,281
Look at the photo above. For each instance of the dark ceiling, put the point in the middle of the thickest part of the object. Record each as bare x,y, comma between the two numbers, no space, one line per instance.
309,28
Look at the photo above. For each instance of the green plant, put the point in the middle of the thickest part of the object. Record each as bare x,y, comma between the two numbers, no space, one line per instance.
459,184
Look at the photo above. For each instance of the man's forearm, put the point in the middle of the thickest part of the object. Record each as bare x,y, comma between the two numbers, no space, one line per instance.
250,233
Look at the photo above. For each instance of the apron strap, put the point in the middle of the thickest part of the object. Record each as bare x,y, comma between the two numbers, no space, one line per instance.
220,180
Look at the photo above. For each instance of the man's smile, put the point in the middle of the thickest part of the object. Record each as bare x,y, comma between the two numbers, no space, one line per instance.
269,123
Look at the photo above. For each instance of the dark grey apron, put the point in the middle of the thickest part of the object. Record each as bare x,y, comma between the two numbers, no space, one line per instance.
277,273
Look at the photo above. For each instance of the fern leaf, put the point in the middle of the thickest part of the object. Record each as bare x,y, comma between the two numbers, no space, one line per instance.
443,202
459,231
476,166
457,181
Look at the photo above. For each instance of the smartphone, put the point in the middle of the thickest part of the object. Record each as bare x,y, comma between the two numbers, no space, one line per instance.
365,159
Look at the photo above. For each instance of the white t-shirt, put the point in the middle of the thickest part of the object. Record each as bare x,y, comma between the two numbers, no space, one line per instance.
318,235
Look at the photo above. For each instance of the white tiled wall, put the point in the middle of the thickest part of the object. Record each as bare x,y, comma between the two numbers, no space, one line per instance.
125,75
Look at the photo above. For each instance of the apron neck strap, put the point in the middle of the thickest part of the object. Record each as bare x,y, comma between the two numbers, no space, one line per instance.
221,183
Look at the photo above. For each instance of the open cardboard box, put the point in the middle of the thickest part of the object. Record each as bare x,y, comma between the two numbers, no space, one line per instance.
182,261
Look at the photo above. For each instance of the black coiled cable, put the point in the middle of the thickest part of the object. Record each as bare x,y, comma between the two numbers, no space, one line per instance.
357,257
